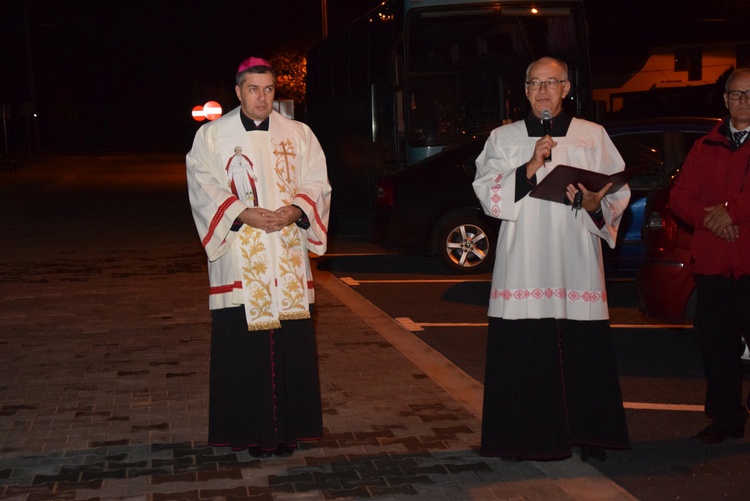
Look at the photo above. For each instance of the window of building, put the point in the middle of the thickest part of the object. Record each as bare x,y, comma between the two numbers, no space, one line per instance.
743,56
690,60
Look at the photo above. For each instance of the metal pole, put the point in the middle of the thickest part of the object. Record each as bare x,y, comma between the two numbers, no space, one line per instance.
32,82
5,131
324,10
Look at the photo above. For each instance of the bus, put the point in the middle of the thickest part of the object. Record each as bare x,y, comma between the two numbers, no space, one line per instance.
413,77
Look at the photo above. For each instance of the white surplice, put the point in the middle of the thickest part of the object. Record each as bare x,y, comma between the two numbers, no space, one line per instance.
268,273
549,259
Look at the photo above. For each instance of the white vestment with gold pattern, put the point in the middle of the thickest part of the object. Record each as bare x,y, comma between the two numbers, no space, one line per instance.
230,169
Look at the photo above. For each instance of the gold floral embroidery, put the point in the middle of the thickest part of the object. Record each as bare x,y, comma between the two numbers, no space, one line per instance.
254,268
291,278
290,268
285,170
279,293
264,326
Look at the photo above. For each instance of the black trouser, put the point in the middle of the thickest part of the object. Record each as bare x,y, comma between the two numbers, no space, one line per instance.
722,320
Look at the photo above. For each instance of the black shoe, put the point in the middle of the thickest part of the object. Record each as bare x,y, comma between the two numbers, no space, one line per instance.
284,451
259,453
713,434
589,452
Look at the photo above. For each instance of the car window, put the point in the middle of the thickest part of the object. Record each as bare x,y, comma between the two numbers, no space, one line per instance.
647,149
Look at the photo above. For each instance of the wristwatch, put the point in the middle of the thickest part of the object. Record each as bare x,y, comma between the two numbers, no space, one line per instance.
302,222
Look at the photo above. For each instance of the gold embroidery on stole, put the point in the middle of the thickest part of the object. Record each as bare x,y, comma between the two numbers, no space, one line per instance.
277,294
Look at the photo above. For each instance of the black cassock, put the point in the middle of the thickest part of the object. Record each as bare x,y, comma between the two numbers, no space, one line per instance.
551,384
264,389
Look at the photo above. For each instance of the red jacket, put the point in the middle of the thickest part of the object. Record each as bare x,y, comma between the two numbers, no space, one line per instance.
715,172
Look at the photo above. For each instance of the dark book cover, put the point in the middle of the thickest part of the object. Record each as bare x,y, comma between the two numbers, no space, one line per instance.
554,186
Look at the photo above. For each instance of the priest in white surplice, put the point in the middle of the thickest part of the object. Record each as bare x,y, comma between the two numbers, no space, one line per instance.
260,198
551,380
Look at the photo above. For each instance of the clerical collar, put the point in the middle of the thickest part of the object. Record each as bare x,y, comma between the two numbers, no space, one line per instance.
559,125
249,123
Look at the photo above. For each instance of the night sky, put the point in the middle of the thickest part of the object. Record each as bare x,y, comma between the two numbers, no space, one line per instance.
123,75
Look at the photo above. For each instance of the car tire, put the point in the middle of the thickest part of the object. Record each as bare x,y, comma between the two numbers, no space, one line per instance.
466,243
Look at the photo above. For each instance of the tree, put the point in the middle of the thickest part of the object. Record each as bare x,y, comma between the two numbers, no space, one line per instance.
291,68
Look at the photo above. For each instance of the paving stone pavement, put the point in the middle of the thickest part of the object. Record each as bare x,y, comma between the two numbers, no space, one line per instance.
104,374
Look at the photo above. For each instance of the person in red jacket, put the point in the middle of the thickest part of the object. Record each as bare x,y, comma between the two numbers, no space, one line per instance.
712,194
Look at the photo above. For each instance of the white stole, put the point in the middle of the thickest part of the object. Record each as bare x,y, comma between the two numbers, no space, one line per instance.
273,265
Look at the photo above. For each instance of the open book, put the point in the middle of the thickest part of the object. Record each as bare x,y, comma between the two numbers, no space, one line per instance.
554,186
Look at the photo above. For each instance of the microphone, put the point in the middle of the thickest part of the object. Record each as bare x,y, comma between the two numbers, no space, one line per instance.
546,124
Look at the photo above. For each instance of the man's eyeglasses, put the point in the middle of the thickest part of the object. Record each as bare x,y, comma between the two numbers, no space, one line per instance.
551,84
737,94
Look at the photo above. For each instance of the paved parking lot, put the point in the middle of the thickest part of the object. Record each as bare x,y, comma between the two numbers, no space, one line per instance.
104,374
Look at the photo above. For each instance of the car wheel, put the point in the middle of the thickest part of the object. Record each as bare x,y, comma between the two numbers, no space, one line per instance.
466,243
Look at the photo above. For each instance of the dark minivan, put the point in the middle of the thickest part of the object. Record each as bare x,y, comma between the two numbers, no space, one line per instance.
430,208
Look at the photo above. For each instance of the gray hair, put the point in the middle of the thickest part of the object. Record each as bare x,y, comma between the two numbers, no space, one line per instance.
734,75
549,59
240,77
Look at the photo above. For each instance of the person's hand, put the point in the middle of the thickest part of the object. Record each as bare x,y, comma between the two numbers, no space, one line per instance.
289,213
264,219
542,150
592,200
718,222
730,233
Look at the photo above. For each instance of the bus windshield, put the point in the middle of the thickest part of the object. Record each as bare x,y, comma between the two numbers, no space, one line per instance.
465,68
414,77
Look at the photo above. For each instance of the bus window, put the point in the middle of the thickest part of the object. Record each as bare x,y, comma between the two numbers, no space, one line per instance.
411,78
465,69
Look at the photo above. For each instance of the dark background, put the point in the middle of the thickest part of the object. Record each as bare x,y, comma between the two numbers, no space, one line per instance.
123,75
